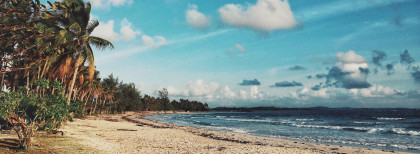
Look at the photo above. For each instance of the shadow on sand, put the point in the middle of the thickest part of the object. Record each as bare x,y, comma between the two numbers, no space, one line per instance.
8,143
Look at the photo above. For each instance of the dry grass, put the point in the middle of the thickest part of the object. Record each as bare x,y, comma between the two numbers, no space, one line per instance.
43,143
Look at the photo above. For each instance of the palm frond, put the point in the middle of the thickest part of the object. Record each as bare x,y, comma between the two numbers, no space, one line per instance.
100,43
92,25
91,60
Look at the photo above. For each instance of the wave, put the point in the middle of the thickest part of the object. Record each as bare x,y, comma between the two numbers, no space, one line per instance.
386,118
305,119
399,131
248,120
317,126
236,130
368,123
201,123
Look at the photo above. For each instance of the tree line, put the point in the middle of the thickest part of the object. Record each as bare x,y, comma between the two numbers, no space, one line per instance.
120,97
47,69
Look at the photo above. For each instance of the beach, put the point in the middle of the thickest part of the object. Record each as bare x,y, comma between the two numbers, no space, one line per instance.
127,133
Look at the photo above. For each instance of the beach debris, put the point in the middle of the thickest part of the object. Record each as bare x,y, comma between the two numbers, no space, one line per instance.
130,130
221,148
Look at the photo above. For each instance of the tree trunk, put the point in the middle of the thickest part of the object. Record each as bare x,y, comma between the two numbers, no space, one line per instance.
2,82
75,93
15,82
39,71
43,70
73,81
96,103
27,83
91,107
24,133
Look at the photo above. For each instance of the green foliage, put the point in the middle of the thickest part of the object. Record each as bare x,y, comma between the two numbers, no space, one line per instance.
76,107
57,111
129,98
188,105
58,86
43,84
9,103
51,110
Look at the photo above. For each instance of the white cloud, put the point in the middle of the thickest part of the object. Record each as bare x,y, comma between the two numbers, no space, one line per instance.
201,88
374,91
351,62
108,3
212,91
306,93
265,15
196,19
228,93
106,31
240,48
254,93
243,94
155,42
198,88
127,31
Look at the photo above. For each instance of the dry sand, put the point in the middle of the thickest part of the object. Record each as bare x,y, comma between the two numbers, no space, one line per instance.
130,134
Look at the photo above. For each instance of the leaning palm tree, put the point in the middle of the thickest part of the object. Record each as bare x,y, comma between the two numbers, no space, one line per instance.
78,28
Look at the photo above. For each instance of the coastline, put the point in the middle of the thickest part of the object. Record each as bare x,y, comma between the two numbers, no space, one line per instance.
129,133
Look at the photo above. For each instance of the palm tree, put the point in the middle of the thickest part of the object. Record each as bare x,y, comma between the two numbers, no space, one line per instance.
76,20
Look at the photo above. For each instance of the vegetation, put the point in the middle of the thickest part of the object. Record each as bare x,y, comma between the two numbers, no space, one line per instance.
117,97
26,111
47,69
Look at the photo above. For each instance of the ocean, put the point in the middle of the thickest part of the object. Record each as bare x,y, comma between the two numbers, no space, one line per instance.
388,129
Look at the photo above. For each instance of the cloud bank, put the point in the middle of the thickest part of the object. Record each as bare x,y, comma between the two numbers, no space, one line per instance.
265,15
212,91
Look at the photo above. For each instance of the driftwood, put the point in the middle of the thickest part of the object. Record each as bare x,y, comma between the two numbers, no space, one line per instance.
131,130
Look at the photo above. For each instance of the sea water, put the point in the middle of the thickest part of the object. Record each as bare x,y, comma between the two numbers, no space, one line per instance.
388,129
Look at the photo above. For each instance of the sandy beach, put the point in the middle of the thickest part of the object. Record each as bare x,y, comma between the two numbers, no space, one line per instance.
131,134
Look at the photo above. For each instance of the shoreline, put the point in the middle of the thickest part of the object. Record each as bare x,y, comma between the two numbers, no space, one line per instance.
259,140
130,133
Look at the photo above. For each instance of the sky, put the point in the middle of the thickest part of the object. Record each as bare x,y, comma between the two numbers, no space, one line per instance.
296,53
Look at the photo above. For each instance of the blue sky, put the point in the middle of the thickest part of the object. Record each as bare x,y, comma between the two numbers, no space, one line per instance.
302,52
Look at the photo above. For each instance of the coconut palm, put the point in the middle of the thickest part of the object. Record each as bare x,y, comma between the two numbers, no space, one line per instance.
77,32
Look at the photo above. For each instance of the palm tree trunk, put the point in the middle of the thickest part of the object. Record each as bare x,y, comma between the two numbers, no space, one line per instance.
96,103
73,81
27,83
15,82
72,85
43,70
39,71
75,93
2,82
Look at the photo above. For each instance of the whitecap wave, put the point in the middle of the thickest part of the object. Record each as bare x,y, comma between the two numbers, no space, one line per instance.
248,120
387,118
399,131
